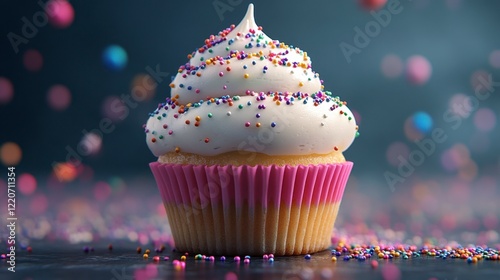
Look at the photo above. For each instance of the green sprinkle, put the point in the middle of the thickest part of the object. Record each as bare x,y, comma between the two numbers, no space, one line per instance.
161,137
210,115
357,134
240,106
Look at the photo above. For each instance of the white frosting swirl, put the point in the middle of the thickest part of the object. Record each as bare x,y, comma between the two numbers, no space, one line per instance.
243,91
241,59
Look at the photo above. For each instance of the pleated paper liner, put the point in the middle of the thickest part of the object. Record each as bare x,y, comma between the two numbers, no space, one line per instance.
251,210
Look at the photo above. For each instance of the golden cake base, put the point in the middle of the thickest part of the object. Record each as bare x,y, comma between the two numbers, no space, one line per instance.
287,230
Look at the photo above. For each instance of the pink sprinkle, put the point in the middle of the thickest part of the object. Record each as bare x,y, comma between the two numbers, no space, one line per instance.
247,124
221,74
236,259
265,257
224,87
246,261
197,90
271,256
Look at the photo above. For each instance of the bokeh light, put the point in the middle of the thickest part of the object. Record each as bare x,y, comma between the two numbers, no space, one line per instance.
143,87
395,150
411,131
459,105
422,122
10,153
59,97
91,143
494,59
60,12
33,60
38,204
391,66
65,172
372,4
27,184
390,272
417,126
6,90
455,157
117,184
418,70
485,119
114,108
481,81
102,191
114,57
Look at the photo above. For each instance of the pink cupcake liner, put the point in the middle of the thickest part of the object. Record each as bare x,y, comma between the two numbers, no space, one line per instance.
251,209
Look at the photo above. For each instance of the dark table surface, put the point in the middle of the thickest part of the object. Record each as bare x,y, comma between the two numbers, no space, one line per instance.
64,261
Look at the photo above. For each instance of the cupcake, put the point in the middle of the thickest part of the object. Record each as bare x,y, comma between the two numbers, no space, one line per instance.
249,148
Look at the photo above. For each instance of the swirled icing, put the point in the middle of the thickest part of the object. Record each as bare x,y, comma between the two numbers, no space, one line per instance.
243,91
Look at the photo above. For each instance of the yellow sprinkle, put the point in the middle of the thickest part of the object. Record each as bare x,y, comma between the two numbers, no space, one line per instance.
172,85
257,124
278,102
301,84
228,61
145,256
198,118
246,76
380,255
147,251
176,96
177,149
183,258
334,259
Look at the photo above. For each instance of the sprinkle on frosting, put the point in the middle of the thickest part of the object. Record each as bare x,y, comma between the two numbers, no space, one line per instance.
266,80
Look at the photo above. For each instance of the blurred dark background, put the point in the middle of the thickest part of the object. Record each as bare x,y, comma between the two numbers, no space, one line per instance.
418,71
